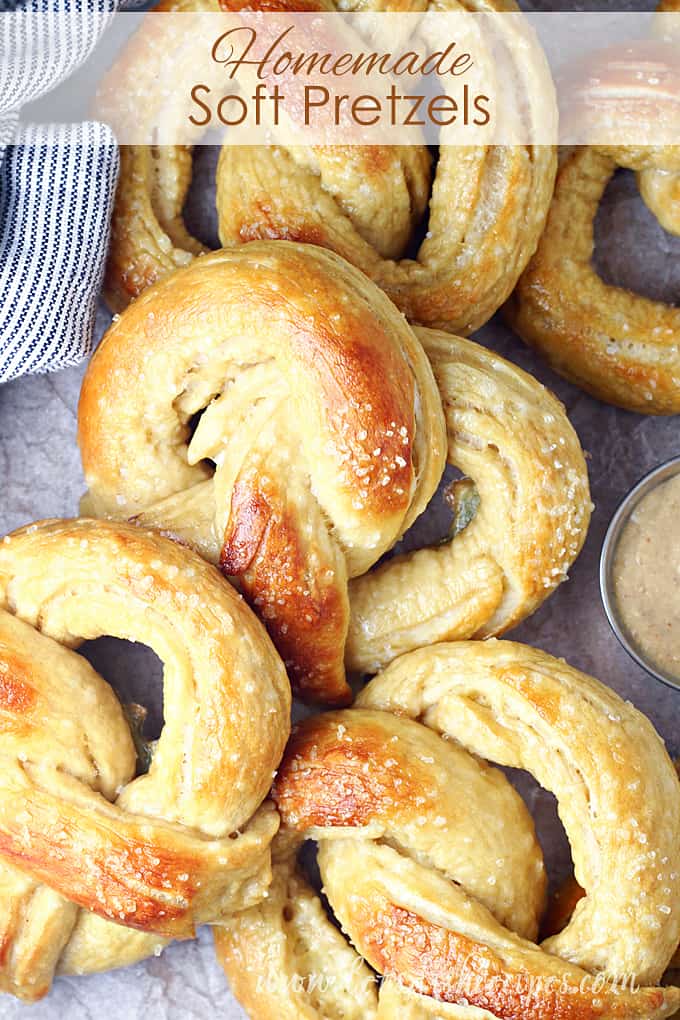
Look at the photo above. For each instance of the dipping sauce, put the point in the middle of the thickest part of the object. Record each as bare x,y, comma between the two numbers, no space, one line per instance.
646,576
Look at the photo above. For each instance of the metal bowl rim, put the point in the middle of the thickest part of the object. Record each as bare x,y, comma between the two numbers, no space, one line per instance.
657,475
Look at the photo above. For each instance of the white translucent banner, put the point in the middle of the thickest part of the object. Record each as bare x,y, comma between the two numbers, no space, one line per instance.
454,78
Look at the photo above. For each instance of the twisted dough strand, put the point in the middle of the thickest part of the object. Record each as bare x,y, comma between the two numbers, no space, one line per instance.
487,211
388,779
602,759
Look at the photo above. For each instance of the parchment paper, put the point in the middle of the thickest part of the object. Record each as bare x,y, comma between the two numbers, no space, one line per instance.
40,477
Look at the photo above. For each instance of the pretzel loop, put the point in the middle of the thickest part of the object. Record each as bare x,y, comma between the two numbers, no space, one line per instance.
145,859
512,438
619,346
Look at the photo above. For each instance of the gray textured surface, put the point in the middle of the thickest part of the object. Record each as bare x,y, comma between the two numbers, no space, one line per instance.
41,477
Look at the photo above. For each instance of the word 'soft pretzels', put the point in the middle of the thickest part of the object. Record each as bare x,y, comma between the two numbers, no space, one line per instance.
430,862
485,204
269,405
98,868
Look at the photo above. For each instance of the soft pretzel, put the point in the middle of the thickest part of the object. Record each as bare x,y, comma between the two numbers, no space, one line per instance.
512,438
430,863
616,345
322,435
487,204
99,868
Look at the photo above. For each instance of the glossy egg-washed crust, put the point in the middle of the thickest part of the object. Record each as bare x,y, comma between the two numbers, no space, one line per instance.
487,204
99,868
301,471
512,437
430,863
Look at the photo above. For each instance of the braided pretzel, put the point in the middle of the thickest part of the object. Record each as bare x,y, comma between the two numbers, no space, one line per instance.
99,869
513,438
301,471
487,204
430,863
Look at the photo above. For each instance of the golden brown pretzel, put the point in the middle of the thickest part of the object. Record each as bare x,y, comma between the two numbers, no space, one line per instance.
487,204
99,869
322,435
512,438
449,920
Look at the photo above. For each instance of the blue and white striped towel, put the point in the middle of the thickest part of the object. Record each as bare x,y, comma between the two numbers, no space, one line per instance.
57,187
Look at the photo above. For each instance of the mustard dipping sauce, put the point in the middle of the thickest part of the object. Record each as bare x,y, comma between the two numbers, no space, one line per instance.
646,576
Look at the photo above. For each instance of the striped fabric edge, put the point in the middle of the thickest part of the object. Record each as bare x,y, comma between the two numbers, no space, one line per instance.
43,41
8,126
57,188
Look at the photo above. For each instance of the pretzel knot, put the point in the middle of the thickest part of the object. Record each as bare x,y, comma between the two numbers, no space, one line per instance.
485,205
520,515
430,862
98,868
269,405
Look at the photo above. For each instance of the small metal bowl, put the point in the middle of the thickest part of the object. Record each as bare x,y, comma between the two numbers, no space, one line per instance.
626,507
